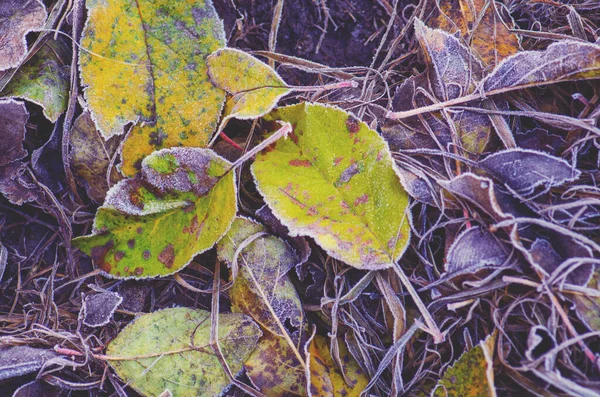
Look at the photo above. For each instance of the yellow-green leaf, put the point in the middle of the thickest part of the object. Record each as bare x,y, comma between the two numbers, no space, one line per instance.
255,86
472,374
169,350
43,80
145,61
326,379
334,180
153,225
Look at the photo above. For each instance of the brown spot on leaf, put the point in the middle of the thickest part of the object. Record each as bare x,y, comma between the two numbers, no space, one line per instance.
119,255
294,137
348,174
131,243
361,200
337,161
299,163
98,255
138,271
352,124
146,255
139,230
167,256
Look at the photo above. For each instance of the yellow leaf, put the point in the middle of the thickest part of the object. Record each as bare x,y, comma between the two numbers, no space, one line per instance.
145,62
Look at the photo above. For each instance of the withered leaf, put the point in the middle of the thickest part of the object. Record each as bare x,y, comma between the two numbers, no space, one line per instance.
90,157
561,61
17,18
476,249
21,360
480,24
97,310
523,170
13,116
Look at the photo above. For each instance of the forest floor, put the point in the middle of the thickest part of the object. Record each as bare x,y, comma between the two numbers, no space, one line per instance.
490,111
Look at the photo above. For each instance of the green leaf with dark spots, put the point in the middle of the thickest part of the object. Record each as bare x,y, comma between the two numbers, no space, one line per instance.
153,225
472,374
169,350
334,180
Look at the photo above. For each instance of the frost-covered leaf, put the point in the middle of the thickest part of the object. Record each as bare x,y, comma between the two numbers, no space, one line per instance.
472,374
482,192
481,26
17,18
325,378
334,180
37,388
90,157
13,117
21,360
453,72
523,170
274,369
169,350
262,289
153,225
255,86
43,80
152,69
98,309
17,185
476,249
561,61
551,254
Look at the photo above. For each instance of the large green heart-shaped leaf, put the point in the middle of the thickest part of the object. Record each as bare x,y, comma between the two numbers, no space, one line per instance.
145,61
169,350
335,181
182,203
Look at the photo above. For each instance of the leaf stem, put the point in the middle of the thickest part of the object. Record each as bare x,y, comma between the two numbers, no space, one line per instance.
332,86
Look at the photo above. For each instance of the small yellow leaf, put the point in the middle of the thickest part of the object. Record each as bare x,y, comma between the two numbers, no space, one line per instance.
255,86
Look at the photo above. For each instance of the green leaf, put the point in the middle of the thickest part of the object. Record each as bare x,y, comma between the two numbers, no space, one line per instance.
43,80
145,61
262,288
335,181
153,225
472,374
326,379
169,350
255,86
